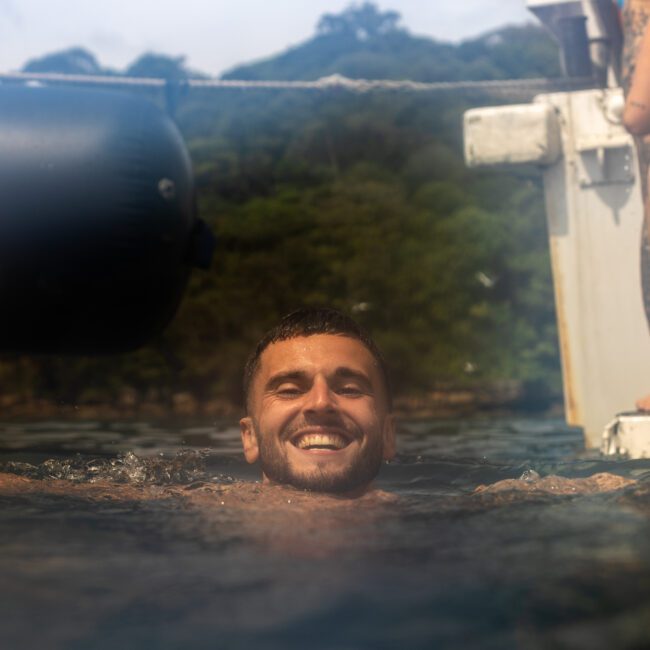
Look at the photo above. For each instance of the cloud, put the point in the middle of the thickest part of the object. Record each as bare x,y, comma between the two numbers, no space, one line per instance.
454,20
9,10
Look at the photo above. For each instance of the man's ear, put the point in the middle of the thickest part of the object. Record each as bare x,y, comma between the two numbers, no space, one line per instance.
249,440
389,437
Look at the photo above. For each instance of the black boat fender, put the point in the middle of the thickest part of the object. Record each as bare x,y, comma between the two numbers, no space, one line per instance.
98,220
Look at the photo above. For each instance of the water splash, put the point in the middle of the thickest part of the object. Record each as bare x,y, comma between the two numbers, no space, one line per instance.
185,467
530,476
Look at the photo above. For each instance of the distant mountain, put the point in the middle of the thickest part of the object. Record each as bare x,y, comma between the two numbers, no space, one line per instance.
75,60
364,42
78,60
361,43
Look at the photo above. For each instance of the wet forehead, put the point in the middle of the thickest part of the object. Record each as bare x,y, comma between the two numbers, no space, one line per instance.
321,353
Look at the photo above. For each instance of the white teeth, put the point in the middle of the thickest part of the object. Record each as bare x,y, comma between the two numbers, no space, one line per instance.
321,440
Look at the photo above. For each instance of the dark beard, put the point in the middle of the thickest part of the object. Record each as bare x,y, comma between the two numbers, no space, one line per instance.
358,474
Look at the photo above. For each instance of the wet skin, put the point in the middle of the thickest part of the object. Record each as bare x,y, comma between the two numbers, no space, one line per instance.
318,415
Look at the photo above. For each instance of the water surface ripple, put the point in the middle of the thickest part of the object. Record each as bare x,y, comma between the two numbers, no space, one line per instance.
144,536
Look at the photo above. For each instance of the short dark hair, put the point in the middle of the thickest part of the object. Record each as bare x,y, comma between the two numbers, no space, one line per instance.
310,321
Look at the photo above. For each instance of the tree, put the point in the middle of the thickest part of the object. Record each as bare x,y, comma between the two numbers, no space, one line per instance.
361,22
359,201
75,60
159,66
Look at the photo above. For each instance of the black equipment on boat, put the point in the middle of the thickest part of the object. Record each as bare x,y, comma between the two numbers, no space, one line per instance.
98,223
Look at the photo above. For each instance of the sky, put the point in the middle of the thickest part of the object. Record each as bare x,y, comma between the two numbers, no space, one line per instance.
214,35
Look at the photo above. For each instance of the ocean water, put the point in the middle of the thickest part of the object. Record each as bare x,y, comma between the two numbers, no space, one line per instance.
137,535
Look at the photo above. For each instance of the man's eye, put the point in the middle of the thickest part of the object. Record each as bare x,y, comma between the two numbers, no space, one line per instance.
288,391
350,390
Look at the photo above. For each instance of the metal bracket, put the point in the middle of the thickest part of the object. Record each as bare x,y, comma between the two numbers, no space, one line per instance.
607,165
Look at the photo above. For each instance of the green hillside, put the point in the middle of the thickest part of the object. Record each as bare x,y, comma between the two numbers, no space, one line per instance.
359,44
360,201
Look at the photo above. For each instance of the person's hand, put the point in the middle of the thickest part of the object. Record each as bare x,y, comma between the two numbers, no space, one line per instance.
643,404
636,114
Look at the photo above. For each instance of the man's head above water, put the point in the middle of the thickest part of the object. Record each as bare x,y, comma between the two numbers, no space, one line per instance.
319,413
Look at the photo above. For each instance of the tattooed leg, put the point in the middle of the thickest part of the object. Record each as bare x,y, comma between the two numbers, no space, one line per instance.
636,17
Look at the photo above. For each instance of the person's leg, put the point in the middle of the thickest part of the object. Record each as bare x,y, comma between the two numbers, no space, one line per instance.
636,21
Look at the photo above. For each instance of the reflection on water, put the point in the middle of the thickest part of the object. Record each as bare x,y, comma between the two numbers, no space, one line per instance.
139,550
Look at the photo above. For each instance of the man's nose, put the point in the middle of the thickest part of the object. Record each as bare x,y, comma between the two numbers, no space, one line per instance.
320,397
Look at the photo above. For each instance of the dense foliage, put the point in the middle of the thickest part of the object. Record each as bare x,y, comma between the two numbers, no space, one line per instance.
357,201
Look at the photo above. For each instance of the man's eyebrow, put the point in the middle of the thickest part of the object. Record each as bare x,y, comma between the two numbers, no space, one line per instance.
342,372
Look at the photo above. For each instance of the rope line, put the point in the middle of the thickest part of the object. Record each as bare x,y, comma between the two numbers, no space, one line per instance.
536,85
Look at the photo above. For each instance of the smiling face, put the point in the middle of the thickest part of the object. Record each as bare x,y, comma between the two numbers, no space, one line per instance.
318,414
